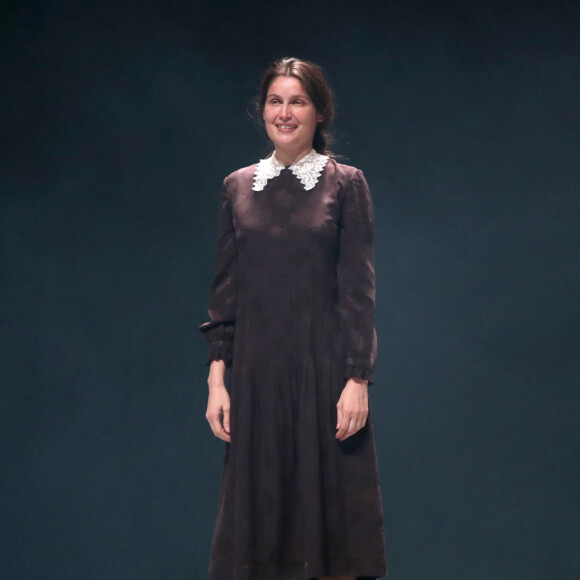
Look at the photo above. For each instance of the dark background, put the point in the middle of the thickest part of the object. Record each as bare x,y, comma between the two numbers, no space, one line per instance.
119,120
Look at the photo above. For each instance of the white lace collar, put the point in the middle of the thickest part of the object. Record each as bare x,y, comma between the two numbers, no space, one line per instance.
307,170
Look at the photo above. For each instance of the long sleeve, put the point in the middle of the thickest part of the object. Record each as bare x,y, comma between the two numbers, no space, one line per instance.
219,330
356,279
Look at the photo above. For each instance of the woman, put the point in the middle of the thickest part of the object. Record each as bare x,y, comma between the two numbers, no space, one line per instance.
291,312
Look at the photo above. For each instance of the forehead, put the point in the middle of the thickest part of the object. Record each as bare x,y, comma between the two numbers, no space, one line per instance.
286,85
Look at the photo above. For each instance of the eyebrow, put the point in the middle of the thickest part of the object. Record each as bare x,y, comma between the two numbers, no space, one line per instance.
292,97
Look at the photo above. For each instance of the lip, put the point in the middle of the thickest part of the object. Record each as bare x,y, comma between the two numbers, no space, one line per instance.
286,128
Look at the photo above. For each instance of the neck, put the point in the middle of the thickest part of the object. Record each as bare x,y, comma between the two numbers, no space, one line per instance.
288,158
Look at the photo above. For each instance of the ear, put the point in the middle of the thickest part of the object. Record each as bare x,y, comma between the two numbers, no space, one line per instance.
319,118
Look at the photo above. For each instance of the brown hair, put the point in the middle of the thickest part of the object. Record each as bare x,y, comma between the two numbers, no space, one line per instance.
317,88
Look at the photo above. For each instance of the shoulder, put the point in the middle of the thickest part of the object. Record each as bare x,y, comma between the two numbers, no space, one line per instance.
348,177
242,173
344,173
239,180
349,170
241,176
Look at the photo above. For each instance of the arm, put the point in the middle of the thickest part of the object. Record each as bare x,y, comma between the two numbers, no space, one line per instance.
219,330
356,295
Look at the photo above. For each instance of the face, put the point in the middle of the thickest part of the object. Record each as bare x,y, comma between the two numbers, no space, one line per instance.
290,118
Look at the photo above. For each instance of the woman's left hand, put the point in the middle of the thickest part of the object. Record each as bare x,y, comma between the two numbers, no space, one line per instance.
352,408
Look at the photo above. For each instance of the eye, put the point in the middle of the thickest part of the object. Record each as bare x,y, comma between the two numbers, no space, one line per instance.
273,101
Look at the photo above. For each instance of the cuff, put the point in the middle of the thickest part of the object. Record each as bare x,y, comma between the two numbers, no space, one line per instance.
353,371
219,353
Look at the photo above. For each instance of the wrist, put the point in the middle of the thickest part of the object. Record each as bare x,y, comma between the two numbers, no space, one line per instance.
359,381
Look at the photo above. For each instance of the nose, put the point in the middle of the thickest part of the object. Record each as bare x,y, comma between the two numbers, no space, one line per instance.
285,111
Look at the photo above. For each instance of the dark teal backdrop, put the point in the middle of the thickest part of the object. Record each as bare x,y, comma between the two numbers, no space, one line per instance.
119,120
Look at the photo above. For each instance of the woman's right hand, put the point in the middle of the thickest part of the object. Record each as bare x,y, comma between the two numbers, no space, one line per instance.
218,403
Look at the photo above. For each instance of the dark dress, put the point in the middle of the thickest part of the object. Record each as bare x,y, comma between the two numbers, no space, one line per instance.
291,313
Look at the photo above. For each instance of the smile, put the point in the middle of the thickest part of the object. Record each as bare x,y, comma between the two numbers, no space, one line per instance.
286,127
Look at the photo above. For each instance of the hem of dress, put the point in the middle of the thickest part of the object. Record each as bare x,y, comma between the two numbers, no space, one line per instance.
227,570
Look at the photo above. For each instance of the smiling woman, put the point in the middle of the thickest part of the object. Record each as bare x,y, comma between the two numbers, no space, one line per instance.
290,119
291,312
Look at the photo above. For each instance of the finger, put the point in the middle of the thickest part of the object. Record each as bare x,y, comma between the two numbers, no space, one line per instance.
222,433
344,426
214,423
354,426
342,421
216,426
357,422
225,435
227,420
363,420
339,415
